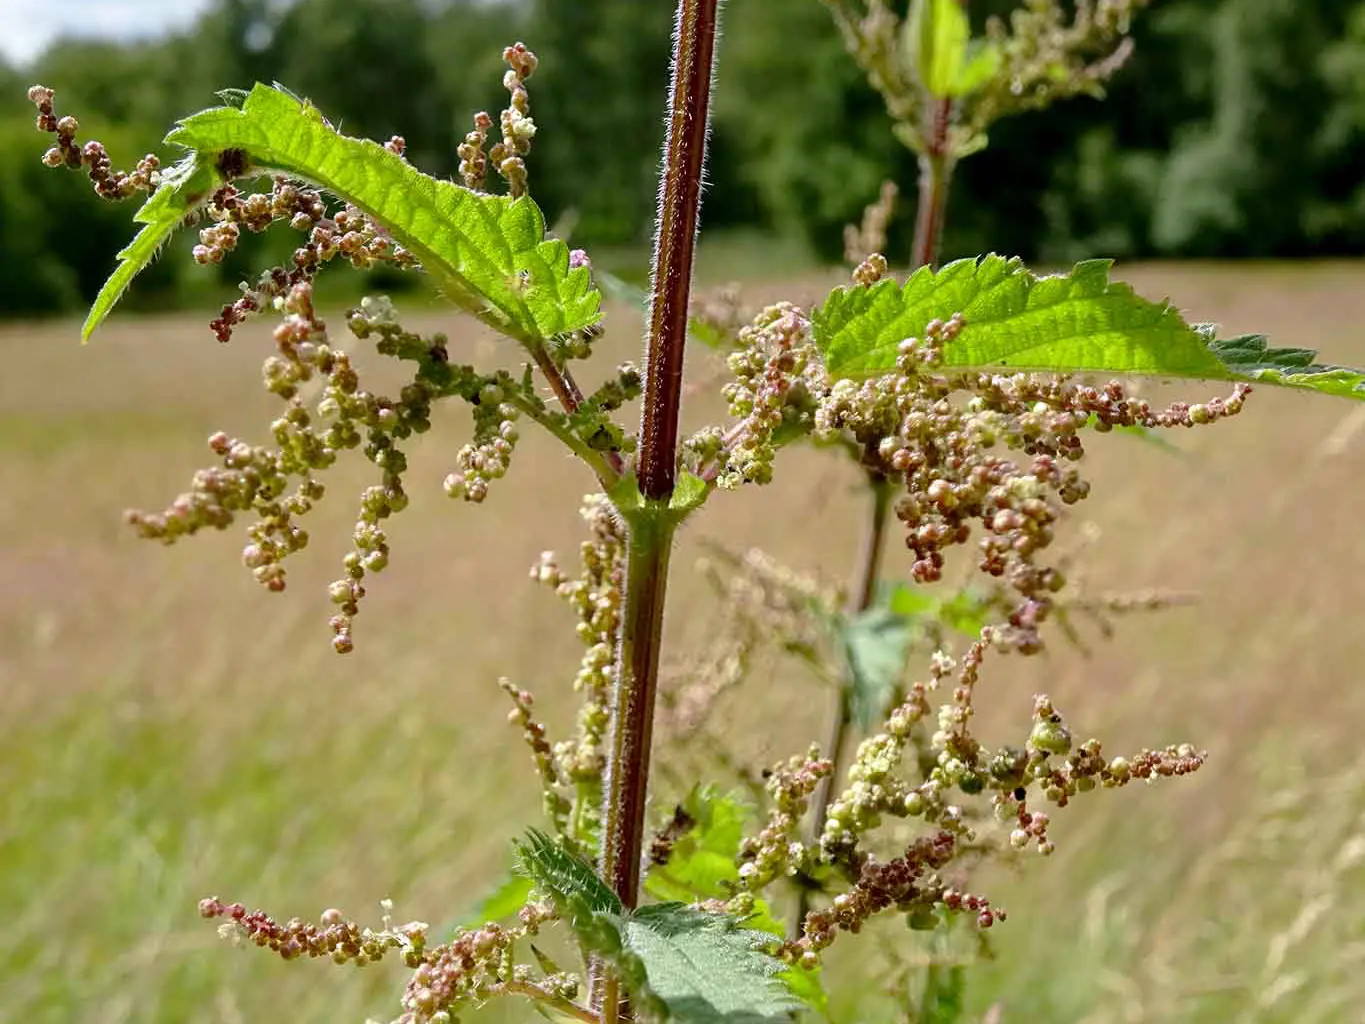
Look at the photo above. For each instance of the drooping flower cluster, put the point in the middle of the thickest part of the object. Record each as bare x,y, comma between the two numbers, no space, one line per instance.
335,936
950,440
906,771
595,596
109,183
344,416
775,852
471,967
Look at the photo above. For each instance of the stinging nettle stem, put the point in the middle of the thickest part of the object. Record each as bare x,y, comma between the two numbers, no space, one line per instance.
650,530
675,240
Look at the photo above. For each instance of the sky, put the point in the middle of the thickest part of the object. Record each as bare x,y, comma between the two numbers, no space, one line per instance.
26,26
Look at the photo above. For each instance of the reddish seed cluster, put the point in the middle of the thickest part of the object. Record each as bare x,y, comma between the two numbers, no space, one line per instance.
335,937
952,441
350,234
109,183
509,155
908,883
473,161
465,967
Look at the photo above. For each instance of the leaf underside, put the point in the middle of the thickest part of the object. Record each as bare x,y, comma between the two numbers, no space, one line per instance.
1079,322
184,186
487,253
686,965
705,968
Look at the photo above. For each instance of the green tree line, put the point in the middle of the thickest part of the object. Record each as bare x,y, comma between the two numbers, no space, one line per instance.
1236,130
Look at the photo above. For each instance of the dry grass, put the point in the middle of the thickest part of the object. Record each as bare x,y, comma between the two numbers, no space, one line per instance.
172,731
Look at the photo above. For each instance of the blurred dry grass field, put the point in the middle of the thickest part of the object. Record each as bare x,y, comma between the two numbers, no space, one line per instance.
171,730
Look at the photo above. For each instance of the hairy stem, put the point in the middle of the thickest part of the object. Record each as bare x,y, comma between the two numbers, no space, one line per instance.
935,170
650,530
565,1006
570,398
675,239
650,542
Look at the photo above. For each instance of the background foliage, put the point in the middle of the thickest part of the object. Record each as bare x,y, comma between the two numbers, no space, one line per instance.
1237,130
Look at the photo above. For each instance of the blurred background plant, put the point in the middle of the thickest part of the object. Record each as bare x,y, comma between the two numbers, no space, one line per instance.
1237,129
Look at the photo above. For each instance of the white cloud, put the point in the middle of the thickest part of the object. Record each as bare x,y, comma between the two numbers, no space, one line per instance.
26,26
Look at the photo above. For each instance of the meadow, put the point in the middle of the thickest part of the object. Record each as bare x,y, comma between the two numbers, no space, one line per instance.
171,731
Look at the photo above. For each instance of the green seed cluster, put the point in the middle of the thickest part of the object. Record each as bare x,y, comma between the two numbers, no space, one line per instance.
489,455
776,852
882,782
875,789
768,396
595,596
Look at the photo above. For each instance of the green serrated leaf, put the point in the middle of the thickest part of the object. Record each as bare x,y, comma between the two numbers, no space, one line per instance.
1251,357
703,858
1079,322
233,97
489,254
184,187
565,877
702,968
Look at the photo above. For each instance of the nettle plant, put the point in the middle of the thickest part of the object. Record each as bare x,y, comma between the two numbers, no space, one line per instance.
962,394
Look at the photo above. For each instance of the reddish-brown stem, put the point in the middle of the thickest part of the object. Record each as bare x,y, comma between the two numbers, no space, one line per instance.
675,241
651,524
935,170
570,397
